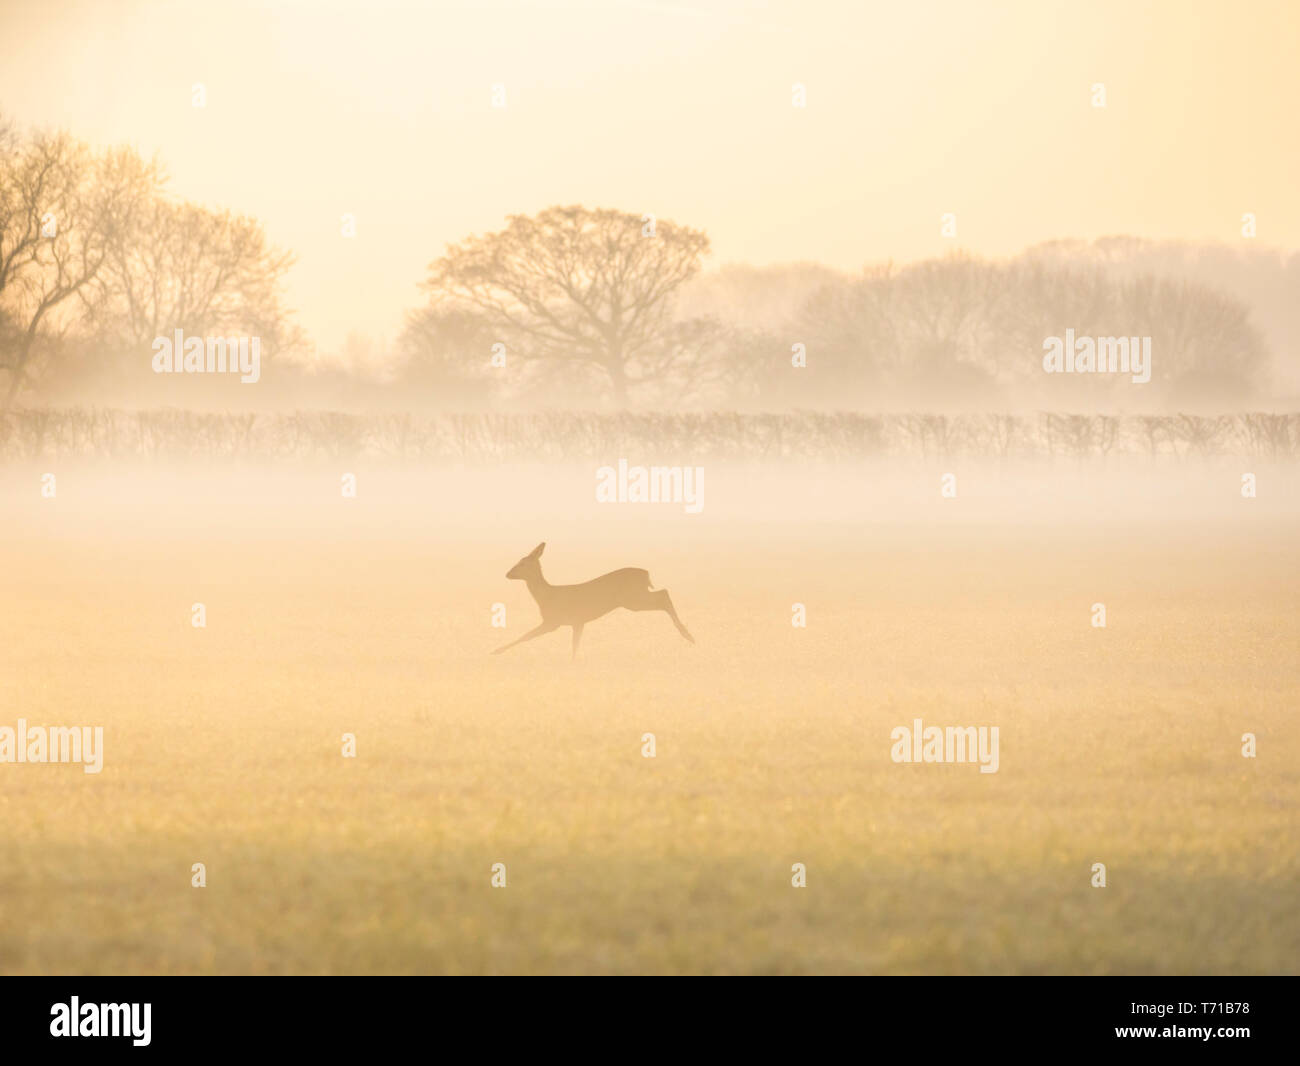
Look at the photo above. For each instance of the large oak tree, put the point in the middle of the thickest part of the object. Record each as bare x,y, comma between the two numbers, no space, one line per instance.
573,285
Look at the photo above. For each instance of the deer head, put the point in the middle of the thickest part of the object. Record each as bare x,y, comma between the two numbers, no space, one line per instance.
528,566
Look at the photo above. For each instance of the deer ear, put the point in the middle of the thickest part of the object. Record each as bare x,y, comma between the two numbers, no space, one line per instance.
537,551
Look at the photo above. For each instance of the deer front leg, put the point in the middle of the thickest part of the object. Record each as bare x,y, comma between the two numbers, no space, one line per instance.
577,638
665,604
545,627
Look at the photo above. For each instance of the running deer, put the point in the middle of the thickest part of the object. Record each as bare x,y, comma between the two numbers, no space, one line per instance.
576,605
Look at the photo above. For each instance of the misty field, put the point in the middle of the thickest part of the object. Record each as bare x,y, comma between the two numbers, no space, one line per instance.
372,616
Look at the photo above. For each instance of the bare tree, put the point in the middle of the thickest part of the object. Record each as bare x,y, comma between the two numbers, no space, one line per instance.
1205,341
61,208
573,285
94,259
186,267
945,305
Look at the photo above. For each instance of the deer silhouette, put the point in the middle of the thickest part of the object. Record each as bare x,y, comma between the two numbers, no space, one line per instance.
576,605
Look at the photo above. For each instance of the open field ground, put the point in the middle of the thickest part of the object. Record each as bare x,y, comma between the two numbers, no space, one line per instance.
372,616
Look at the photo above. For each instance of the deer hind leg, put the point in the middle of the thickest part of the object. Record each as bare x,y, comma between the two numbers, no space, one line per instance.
659,600
536,632
577,638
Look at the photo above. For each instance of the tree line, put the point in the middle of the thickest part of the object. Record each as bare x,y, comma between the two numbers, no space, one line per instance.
577,308
169,435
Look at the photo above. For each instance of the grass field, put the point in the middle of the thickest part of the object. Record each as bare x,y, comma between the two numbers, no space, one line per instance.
223,745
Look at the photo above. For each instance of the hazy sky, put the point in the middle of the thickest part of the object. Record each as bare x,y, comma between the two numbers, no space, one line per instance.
384,109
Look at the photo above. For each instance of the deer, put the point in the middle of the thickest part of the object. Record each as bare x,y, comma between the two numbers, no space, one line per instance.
576,605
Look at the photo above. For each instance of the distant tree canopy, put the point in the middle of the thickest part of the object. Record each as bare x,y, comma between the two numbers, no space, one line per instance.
436,364
970,332
590,302
96,260
577,286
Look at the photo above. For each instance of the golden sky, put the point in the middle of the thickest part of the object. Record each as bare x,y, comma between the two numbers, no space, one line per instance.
383,109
